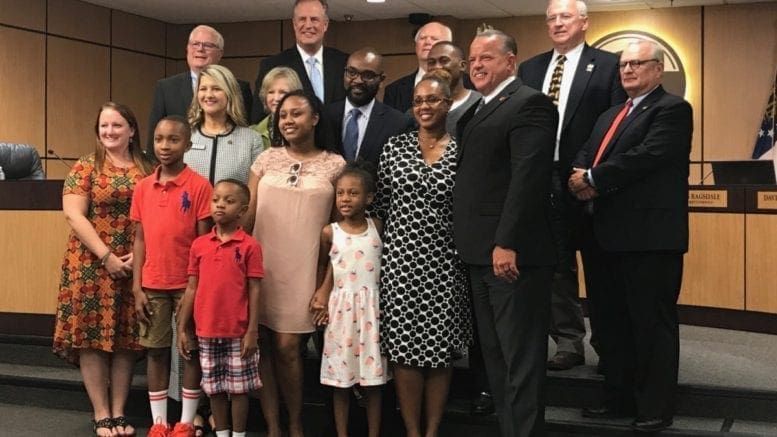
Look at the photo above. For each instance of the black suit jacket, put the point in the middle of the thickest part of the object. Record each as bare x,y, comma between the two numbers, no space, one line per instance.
596,87
642,176
384,123
334,66
503,179
173,95
399,94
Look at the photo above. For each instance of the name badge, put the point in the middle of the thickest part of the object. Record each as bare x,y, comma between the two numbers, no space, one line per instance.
197,146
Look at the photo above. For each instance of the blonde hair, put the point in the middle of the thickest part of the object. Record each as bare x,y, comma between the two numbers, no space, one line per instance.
278,73
227,82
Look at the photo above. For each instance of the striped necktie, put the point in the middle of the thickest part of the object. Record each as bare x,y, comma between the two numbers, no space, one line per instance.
554,89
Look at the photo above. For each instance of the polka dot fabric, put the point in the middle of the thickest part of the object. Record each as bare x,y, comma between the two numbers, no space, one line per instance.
424,296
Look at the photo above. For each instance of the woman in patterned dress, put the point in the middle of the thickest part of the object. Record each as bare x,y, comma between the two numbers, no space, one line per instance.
424,296
292,196
96,327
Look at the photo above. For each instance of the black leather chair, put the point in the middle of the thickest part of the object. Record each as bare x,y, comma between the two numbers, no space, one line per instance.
20,162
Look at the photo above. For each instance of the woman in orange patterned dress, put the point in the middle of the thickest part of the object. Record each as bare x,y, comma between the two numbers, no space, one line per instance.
95,323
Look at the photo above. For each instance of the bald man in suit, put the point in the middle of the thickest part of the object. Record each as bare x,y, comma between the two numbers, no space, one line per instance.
586,85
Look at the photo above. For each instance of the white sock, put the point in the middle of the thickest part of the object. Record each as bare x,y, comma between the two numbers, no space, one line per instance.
190,399
239,434
158,401
225,433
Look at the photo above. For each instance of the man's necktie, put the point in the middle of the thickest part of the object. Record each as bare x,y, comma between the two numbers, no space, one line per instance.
315,78
554,89
351,138
611,131
481,104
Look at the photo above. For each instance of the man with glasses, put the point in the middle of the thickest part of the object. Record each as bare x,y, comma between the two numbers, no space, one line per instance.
318,67
633,174
583,82
360,121
173,95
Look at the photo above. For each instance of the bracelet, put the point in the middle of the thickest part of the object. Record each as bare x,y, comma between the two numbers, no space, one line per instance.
105,257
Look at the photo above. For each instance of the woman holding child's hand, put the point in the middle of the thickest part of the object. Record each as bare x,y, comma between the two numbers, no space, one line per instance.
96,327
292,194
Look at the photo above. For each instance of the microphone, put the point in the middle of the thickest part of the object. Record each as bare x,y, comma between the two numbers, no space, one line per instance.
701,182
54,154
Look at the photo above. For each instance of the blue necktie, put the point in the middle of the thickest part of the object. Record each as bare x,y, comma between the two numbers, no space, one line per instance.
315,79
351,137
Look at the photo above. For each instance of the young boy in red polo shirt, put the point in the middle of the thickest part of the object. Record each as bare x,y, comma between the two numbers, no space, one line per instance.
225,267
171,208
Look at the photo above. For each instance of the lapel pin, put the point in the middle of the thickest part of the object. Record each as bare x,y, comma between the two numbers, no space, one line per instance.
502,99
589,68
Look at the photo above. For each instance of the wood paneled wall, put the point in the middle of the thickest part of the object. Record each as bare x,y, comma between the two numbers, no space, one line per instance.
65,57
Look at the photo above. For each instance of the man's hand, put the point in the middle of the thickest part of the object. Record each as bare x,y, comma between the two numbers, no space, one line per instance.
505,264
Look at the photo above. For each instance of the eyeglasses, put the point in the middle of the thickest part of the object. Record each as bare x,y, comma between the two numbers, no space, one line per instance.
207,46
564,18
635,64
429,100
294,171
366,75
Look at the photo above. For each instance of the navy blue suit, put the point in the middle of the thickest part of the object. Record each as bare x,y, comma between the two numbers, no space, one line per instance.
384,123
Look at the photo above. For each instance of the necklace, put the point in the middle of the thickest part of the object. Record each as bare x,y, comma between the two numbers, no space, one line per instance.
433,143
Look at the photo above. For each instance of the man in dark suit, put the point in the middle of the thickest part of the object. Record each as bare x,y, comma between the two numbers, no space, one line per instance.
362,123
319,68
501,223
633,172
173,95
399,94
586,84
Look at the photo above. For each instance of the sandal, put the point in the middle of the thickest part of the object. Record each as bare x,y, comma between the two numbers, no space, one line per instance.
122,421
105,422
201,426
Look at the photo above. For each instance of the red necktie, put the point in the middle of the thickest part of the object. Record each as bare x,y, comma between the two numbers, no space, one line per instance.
610,132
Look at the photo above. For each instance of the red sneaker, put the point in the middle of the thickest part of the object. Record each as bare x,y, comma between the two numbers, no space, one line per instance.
182,430
159,430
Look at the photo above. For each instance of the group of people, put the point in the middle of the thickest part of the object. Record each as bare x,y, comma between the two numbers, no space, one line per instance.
411,235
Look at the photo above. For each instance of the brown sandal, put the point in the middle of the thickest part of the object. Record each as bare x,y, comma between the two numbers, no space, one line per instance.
105,422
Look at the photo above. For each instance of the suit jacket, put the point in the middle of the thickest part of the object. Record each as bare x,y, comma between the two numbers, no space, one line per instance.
399,94
384,123
173,95
503,179
596,87
642,176
334,66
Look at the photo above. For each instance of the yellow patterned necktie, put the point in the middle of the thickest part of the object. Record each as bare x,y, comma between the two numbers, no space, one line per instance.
554,89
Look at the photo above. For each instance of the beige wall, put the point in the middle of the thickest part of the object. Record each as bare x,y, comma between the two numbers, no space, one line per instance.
65,57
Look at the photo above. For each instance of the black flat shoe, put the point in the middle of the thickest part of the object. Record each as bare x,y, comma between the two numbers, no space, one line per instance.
483,405
565,361
651,425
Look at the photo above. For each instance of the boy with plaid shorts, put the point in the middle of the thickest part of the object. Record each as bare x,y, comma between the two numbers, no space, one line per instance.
225,268
171,208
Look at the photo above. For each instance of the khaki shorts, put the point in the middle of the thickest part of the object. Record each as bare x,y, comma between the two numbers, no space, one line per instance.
158,333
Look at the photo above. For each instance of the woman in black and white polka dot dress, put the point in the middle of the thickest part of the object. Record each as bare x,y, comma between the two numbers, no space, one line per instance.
424,303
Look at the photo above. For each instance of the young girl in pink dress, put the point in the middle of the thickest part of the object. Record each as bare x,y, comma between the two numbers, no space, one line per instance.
347,300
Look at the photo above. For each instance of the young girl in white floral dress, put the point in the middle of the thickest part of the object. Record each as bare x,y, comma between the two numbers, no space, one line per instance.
347,300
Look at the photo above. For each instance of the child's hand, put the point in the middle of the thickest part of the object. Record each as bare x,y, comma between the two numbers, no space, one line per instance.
127,262
183,345
249,345
142,307
319,304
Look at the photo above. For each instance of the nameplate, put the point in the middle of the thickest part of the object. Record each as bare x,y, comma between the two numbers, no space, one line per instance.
708,198
767,200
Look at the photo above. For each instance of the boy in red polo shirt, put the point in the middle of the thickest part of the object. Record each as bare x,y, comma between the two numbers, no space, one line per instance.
225,267
171,208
